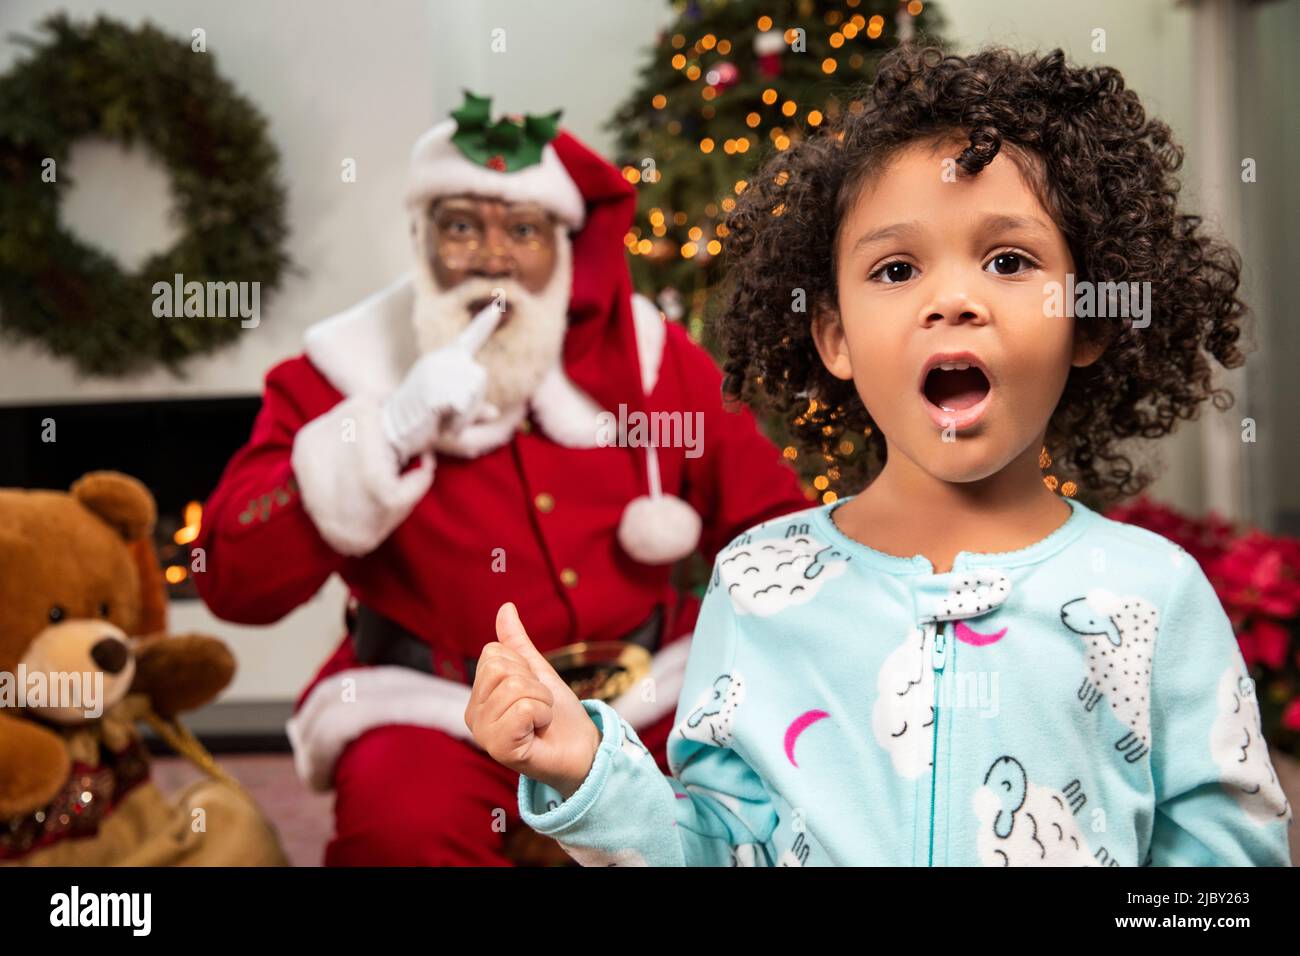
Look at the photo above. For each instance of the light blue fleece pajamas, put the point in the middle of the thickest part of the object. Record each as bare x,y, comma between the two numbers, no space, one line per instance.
1079,702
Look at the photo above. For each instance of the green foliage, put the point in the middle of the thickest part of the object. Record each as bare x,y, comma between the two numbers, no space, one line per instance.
130,86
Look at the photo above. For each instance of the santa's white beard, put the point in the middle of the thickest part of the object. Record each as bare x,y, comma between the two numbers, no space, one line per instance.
527,344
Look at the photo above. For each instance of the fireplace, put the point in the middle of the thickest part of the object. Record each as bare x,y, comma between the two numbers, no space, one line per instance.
177,448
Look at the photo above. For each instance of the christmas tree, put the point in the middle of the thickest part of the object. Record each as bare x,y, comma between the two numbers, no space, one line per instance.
728,84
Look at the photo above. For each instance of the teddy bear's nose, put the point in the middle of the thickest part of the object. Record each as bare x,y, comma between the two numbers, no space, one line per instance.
110,654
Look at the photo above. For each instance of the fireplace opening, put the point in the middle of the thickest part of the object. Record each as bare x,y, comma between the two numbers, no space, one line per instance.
177,448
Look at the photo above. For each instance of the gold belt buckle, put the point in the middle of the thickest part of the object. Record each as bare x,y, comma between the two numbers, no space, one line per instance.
600,669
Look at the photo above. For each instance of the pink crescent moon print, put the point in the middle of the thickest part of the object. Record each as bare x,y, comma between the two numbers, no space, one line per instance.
798,726
974,638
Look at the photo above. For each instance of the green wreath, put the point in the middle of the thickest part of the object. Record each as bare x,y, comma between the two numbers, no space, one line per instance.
127,85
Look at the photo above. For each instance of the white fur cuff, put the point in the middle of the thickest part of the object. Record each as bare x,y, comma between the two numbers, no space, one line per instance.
349,477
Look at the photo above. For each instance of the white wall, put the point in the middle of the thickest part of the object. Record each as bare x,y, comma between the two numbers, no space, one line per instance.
363,80
1269,133
335,80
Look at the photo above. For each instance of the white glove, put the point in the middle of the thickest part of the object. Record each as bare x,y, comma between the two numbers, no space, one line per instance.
351,480
443,390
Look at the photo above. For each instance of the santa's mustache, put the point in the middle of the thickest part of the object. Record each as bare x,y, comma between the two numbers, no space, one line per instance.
472,295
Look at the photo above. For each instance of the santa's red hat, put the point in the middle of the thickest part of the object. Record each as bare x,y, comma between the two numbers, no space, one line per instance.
530,158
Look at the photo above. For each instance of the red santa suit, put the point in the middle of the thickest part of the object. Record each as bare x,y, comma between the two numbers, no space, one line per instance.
533,516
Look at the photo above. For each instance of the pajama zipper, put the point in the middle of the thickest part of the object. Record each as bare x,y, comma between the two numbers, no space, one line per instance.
938,658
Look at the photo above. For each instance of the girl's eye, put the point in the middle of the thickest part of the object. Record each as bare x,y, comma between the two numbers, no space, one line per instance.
894,272
1008,264
525,230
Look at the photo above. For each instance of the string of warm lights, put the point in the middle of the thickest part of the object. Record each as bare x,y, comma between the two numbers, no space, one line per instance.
710,80
776,106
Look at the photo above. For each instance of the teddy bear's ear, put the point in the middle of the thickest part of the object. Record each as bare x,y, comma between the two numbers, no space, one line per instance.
124,503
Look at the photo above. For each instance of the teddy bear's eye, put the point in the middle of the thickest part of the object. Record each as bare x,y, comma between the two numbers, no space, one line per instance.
103,609
56,614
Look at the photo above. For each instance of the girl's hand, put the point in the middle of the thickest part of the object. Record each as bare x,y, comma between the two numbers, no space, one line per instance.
525,716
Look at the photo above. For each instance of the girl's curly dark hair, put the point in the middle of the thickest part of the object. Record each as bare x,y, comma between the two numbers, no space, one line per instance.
1104,172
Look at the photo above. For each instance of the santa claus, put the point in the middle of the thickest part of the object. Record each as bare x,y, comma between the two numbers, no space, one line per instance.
444,446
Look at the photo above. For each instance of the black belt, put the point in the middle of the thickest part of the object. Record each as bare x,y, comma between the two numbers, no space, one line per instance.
381,640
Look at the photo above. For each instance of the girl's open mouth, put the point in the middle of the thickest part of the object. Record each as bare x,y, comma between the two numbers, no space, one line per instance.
956,388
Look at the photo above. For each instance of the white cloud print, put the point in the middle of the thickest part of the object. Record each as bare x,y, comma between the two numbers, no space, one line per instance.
768,576
902,717
1238,746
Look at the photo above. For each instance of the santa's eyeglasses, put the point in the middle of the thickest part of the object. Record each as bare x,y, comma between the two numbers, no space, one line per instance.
457,233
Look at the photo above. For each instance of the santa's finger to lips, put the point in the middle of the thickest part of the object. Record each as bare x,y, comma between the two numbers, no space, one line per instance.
480,328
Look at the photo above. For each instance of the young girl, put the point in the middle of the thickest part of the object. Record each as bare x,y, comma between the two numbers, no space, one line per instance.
955,666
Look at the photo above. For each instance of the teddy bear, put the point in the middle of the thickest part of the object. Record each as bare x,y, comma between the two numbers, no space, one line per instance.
84,656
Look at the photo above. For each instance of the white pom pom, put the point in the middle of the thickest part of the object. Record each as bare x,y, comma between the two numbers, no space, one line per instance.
659,530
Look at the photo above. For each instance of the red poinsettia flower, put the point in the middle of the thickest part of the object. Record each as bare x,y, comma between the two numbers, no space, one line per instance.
1265,642
1259,573
1291,716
